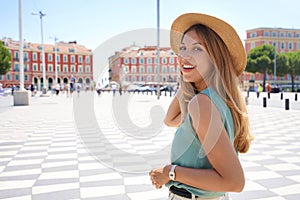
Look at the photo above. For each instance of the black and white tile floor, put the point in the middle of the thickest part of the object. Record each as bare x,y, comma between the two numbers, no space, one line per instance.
51,150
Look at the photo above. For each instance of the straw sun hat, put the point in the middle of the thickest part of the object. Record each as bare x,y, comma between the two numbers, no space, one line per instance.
223,29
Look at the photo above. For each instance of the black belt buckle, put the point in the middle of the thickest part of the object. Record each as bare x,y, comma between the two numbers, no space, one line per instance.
181,192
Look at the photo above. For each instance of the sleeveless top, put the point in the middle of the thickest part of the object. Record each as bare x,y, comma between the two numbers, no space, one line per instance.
187,150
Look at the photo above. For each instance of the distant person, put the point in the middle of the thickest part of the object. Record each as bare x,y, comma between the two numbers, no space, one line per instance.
98,89
13,90
32,89
269,88
52,89
120,90
57,89
255,88
78,88
1,90
72,84
114,87
258,90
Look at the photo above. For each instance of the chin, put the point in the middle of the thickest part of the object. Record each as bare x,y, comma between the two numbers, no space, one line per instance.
189,79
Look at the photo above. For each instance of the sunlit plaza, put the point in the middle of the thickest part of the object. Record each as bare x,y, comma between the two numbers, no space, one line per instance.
101,147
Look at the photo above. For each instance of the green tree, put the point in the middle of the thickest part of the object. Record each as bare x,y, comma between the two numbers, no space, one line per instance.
293,66
261,59
281,64
5,59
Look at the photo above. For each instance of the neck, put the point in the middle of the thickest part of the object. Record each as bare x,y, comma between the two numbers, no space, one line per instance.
201,85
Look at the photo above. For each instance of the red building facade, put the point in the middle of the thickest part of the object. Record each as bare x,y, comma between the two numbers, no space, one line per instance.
285,40
69,59
138,65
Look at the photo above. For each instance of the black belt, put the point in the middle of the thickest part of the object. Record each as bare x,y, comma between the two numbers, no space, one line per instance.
181,192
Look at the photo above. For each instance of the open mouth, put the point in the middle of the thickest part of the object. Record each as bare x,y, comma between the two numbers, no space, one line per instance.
187,67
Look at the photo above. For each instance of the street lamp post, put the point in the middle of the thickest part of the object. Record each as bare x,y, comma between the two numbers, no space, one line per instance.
41,14
55,50
275,63
158,53
21,48
21,97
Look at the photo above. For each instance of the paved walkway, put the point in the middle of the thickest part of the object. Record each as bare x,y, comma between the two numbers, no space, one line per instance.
91,147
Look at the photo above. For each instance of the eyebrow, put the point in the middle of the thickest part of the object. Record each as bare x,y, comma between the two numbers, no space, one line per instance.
194,43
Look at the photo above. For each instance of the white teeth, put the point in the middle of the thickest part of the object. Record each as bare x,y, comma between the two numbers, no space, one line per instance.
188,66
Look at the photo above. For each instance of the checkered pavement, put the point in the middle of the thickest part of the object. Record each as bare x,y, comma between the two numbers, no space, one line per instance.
51,150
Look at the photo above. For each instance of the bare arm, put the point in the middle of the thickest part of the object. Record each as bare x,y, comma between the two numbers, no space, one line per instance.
173,116
227,173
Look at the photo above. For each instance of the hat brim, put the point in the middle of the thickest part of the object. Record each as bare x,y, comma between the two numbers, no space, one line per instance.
223,29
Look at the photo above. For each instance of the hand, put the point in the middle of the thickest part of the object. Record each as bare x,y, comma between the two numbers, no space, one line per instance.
160,176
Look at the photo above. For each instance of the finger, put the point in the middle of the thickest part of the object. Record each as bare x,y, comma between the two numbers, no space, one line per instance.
152,173
153,177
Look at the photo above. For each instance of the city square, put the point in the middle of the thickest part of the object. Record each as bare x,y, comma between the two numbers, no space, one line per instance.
80,118
49,149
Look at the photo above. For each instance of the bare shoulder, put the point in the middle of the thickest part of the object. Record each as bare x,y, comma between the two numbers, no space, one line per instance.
203,112
200,102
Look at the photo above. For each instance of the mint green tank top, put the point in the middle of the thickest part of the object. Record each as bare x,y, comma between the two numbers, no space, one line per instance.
187,150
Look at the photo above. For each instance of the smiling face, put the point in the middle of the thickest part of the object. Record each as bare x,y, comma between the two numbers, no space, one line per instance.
194,59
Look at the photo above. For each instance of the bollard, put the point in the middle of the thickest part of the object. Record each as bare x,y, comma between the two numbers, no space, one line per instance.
269,95
281,96
296,97
287,104
264,102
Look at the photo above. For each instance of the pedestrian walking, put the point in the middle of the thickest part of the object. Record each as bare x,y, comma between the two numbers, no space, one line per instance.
114,87
208,110
259,89
13,90
120,90
98,89
1,90
72,84
78,88
57,89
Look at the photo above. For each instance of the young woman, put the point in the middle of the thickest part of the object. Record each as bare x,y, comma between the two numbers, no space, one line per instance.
208,110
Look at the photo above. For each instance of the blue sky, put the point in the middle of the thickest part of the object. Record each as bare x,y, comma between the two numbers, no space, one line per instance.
92,22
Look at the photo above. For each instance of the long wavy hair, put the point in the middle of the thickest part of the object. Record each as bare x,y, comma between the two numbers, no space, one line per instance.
224,80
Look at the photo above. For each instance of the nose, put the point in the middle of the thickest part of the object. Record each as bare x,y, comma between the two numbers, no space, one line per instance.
184,55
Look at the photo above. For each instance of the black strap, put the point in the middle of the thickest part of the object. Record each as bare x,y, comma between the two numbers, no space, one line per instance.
180,192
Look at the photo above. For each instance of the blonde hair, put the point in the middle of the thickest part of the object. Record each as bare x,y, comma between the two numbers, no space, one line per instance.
224,80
